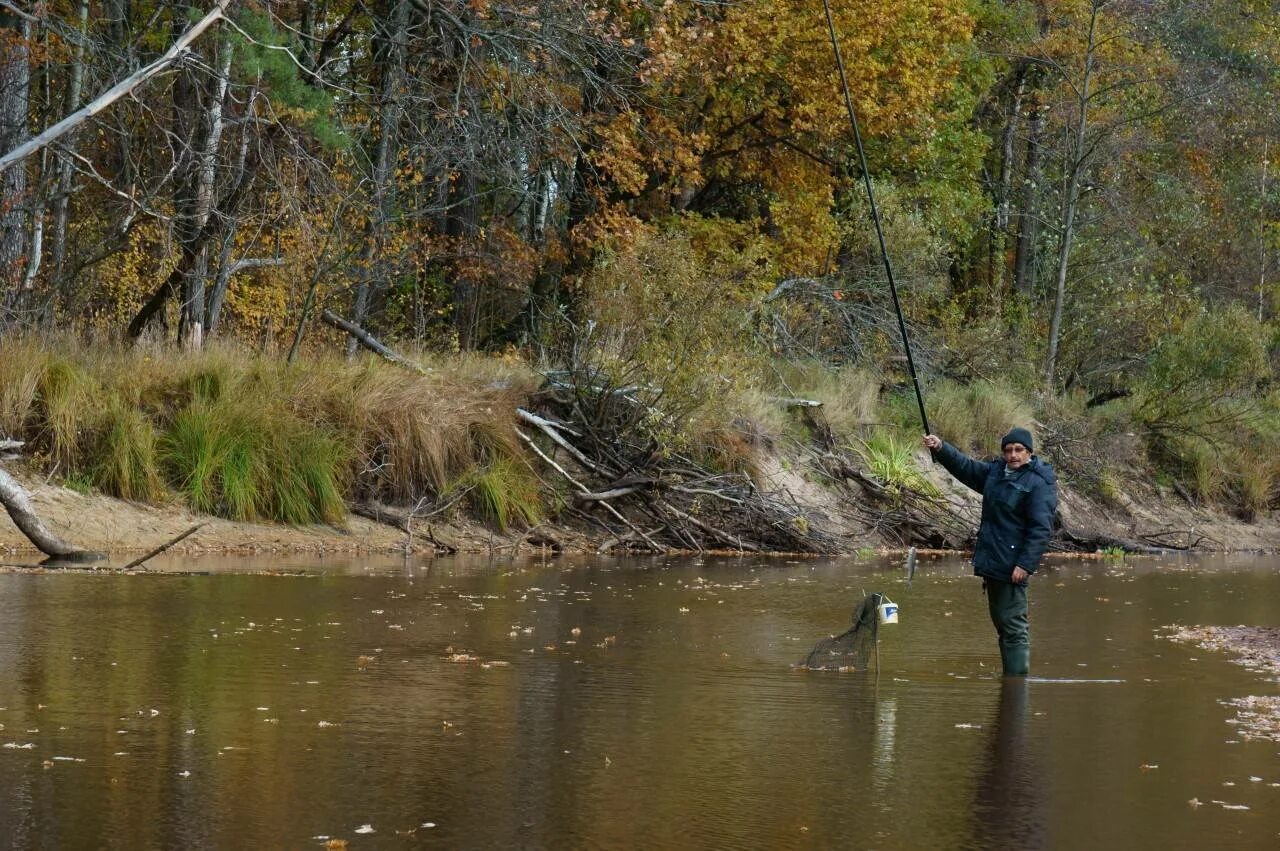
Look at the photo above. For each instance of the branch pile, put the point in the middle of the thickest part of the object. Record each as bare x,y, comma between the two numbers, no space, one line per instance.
593,434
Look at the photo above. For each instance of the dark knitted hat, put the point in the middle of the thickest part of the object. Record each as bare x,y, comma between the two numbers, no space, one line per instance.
1017,435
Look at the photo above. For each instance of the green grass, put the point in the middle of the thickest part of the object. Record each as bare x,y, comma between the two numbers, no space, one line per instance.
502,492
253,463
123,459
248,437
892,461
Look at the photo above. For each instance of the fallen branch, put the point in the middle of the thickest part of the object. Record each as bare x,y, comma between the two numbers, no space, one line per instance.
658,548
604,496
549,429
735,542
137,561
369,341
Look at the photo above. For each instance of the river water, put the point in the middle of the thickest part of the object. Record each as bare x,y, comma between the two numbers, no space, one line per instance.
598,703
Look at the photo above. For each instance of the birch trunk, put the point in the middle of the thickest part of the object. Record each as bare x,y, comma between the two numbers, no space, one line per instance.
18,504
1071,200
66,169
15,81
198,106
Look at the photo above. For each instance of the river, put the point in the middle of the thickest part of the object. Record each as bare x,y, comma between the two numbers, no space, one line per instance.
613,703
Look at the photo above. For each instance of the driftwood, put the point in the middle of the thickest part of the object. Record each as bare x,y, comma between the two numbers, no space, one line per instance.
583,490
369,341
166,545
402,520
18,504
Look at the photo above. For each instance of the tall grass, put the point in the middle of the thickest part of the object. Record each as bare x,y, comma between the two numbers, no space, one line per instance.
249,437
850,396
974,417
122,460
892,461
502,492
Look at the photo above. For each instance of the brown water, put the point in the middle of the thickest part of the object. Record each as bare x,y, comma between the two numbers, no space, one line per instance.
249,711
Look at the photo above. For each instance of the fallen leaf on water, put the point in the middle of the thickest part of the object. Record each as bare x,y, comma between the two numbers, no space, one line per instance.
335,843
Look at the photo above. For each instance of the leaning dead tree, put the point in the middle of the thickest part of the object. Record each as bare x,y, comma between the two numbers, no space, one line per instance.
116,92
17,502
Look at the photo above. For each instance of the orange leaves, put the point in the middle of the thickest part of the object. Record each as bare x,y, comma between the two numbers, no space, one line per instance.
745,96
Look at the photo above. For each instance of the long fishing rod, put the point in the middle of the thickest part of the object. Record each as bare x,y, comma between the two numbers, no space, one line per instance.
875,215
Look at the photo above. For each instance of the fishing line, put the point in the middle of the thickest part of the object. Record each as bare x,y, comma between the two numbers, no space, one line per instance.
875,215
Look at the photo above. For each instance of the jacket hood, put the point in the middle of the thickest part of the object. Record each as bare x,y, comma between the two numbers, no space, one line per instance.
1043,469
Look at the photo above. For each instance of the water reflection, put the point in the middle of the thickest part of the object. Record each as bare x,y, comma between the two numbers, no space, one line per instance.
617,705
1009,799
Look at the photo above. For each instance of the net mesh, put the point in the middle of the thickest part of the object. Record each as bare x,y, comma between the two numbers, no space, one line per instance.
854,649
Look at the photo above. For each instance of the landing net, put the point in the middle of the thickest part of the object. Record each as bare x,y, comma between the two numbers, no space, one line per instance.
855,648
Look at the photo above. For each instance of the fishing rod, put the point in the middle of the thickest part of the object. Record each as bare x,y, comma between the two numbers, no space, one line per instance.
875,215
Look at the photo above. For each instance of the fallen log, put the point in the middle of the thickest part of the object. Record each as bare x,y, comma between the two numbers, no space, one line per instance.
18,504
369,341
402,520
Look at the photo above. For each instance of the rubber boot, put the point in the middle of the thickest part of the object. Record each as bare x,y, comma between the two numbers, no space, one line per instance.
1016,659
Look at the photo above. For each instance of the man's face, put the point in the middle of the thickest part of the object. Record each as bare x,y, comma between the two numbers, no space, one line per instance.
1015,455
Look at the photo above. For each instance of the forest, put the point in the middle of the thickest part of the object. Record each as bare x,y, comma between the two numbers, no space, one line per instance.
655,201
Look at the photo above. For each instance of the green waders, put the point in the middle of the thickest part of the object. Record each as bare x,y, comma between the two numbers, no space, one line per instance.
1008,606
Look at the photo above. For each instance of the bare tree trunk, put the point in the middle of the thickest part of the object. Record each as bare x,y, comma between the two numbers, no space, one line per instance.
226,268
1024,262
1078,161
390,50
15,81
18,504
66,170
198,104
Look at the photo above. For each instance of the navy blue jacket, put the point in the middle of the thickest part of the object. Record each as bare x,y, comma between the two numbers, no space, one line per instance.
1017,512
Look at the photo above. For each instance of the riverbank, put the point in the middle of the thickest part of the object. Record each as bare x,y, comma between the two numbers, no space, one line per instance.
119,527
125,449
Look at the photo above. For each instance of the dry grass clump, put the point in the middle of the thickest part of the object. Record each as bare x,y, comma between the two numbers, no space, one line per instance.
249,437
974,417
850,396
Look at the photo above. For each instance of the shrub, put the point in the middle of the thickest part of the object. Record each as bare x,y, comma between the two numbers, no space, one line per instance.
1201,379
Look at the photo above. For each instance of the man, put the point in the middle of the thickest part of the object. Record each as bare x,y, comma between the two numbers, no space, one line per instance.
1019,498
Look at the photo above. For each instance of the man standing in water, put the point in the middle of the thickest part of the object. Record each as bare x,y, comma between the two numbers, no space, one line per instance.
1019,498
